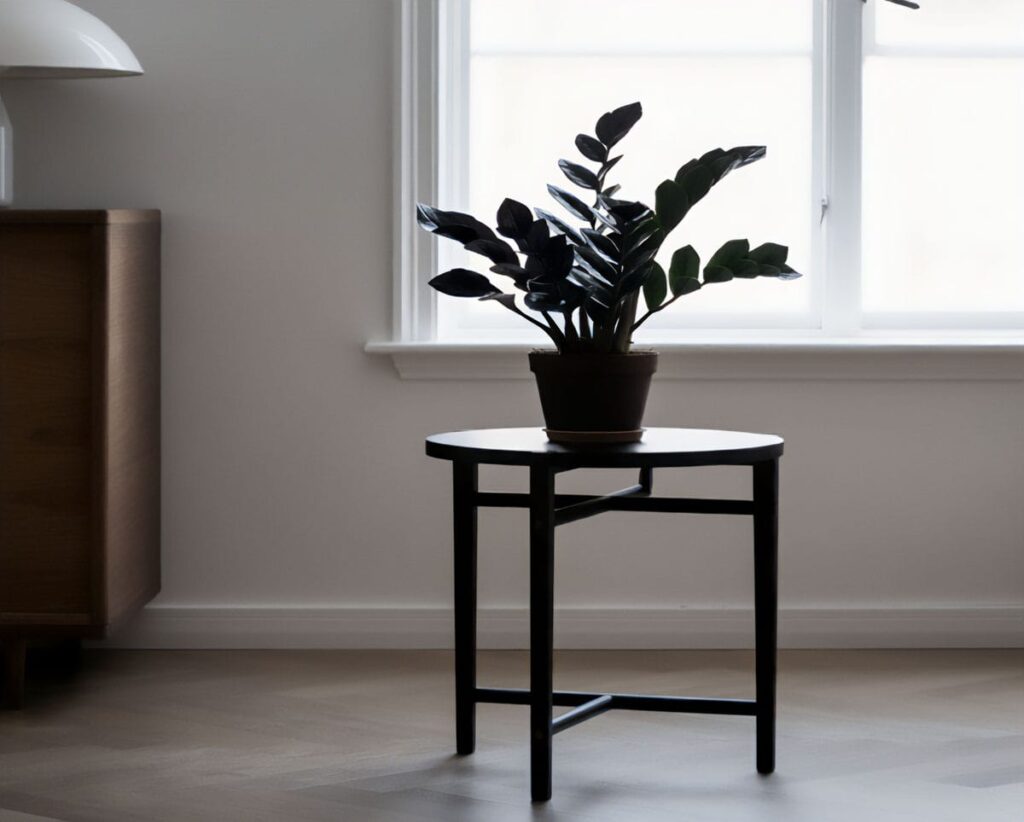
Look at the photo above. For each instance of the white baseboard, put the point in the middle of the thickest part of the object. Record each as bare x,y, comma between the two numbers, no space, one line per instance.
172,626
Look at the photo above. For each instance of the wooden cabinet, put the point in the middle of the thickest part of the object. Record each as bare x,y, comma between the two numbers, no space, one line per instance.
79,424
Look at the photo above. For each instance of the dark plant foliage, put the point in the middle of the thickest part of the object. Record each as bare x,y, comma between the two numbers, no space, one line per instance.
582,283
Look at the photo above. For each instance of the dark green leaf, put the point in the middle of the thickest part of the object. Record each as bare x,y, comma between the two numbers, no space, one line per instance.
625,210
540,285
699,175
514,219
507,300
696,183
749,154
712,155
452,224
687,167
732,159
770,254
573,296
640,256
591,148
497,251
717,274
602,243
746,269
516,272
611,191
595,286
688,287
670,204
534,265
607,220
461,282
459,233
562,296
599,314
789,274
543,302
537,237
684,270
769,271
597,263
656,288
427,216
580,175
729,254
640,232
636,279
608,167
561,225
614,125
574,205
557,257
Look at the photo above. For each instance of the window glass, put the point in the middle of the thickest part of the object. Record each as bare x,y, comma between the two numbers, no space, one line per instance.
673,26
943,194
951,24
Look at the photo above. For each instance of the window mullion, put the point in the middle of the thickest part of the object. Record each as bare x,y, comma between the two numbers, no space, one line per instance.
453,129
843,93
453,81
415,148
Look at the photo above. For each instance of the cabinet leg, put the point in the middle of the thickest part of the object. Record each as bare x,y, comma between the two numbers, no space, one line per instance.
14,672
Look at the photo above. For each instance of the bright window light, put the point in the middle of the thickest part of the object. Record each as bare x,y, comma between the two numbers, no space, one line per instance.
951,24
943,194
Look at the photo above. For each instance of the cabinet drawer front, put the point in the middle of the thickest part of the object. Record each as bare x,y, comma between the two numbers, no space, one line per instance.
46,418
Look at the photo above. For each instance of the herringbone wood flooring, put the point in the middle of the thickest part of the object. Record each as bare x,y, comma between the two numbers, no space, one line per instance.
936,736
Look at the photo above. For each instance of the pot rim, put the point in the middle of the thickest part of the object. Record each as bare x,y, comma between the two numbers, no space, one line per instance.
633,352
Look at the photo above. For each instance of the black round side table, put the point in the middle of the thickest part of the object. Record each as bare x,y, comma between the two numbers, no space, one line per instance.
660,448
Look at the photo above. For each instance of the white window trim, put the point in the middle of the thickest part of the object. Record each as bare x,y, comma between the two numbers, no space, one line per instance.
845,347
846,360
415,170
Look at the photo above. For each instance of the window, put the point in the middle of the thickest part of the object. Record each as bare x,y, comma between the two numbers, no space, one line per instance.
892,171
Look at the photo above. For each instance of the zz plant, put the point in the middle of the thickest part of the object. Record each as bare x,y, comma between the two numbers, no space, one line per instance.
583,281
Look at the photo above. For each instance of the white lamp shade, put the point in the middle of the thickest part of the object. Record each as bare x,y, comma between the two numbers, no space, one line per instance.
55,38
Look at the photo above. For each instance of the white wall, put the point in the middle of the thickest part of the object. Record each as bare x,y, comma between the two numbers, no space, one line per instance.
294,474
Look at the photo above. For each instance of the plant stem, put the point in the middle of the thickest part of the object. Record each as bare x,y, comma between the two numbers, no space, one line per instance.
653,311
624,329
571,337
584,322
555,332
530,319
603,334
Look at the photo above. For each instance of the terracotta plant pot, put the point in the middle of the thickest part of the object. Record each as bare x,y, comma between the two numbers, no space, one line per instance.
593,397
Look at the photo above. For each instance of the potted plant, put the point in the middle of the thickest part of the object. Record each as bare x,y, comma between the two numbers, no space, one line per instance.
581,280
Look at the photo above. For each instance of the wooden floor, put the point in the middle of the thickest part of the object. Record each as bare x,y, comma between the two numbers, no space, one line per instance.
928,736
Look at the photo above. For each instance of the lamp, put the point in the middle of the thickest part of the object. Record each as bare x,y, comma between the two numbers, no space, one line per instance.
53,38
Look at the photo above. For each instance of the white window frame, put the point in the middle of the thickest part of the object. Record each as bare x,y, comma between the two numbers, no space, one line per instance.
949,348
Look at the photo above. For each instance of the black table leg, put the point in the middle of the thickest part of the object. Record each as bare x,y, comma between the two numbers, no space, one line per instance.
464,495
542,604
766,597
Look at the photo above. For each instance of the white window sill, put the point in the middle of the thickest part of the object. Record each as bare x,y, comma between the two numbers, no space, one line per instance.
999,359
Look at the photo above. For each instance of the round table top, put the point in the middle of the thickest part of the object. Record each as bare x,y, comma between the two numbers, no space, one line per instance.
660,447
